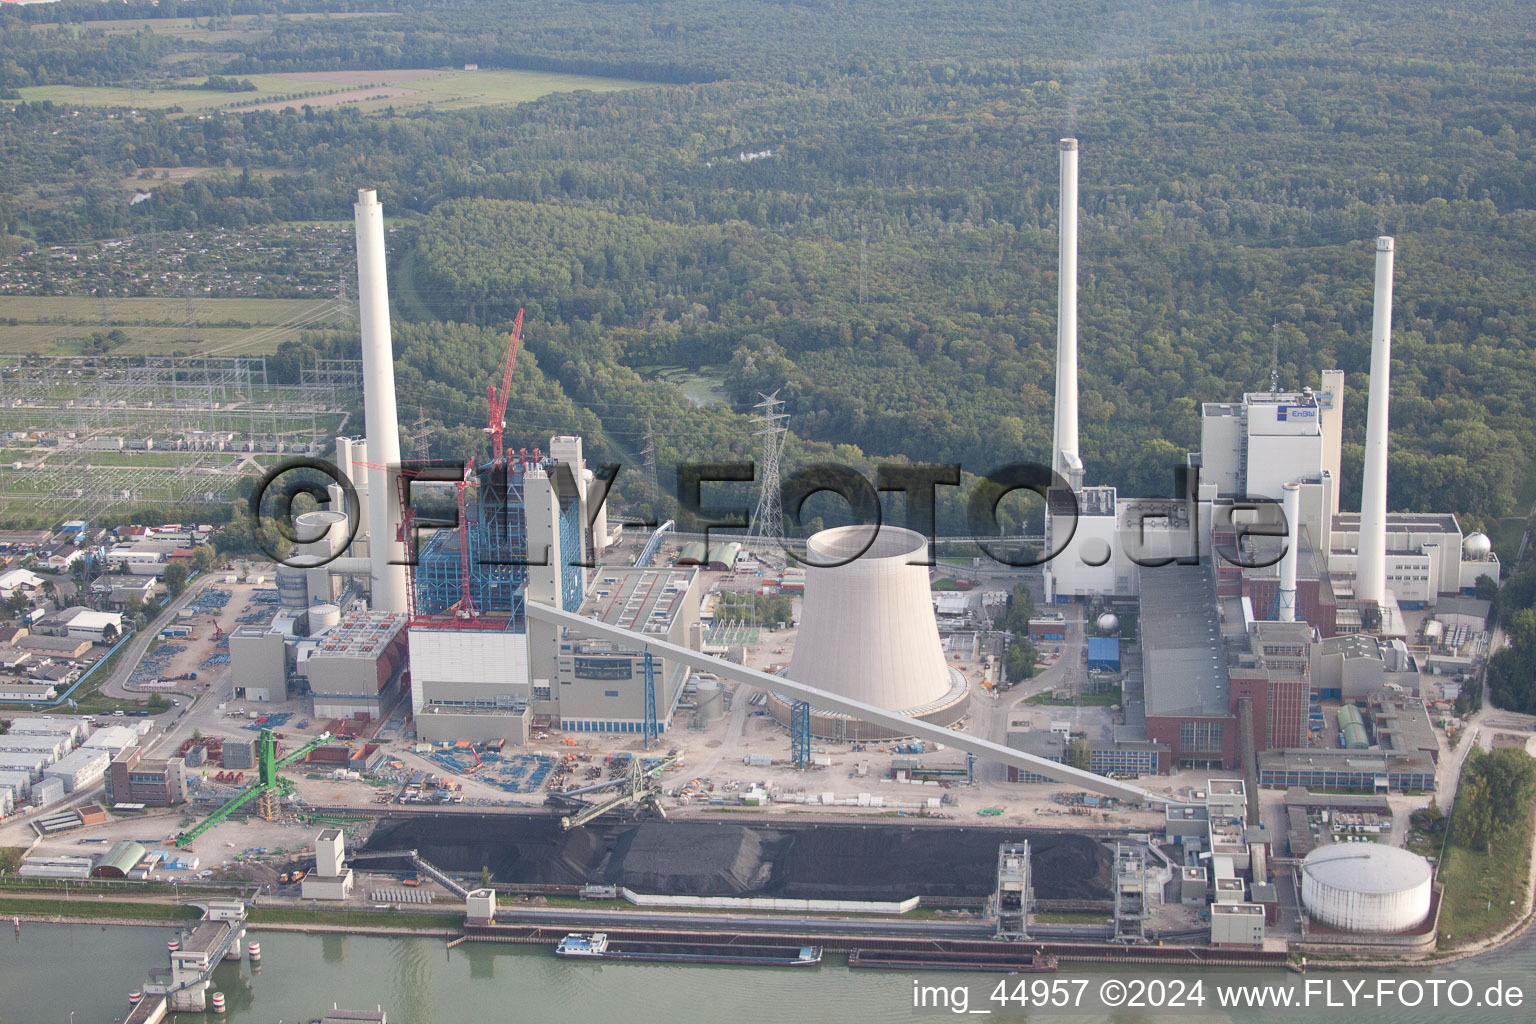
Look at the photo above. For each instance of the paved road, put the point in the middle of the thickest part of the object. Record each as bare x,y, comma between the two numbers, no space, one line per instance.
117,684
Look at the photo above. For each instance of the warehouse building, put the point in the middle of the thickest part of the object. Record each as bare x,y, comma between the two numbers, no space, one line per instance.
1187,685
1237,925
67,648
1120,759
1403,727
1364,771
122,858
13,689
20,783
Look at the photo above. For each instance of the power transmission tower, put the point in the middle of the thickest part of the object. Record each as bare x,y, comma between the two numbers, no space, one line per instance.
768,522
648,453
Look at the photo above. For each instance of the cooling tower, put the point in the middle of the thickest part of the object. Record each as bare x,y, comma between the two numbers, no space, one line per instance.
867,632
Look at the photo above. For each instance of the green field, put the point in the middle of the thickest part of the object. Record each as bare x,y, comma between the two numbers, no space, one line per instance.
61,324
370,91
1484,891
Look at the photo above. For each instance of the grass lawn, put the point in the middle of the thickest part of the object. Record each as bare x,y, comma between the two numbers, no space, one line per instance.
370,91
1479,887
1071,917
61,324
1089,700
85,906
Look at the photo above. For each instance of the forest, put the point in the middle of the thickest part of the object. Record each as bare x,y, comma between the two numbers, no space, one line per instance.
853,204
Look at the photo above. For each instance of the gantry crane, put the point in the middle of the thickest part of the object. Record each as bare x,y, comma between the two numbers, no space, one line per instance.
497,400
268,789
639,786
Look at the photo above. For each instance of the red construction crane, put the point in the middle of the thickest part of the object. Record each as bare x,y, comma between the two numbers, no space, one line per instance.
498,399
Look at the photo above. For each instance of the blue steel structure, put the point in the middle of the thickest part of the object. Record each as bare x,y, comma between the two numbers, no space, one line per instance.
800,732
498,553
652,725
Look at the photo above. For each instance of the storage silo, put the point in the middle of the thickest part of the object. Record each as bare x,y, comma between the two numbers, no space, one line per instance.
1366,887
709,702
867,631
323,617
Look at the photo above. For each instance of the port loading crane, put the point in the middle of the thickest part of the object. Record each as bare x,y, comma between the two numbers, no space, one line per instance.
639,786
268,789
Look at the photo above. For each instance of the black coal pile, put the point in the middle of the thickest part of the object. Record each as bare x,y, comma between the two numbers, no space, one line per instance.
704,858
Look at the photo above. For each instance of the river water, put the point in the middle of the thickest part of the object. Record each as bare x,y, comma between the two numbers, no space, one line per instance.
49,970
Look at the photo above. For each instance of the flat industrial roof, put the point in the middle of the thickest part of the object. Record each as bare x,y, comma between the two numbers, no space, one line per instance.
206,937
1039,742
359,635
643,599
1300,796
1185,665
1402,522
1330,759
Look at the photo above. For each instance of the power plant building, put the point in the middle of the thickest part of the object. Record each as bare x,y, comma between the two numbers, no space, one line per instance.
599,685
355,667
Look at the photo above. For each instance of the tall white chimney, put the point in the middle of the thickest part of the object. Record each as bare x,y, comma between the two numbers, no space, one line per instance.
1371,567
1286,600
1065,458
381,420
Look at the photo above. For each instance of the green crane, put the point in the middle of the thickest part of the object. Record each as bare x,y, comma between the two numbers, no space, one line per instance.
268,788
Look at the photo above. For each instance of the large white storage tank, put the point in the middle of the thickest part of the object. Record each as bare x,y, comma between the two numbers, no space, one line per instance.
1366,887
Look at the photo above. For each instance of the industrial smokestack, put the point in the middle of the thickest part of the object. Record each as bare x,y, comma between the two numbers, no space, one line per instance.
1371,566
380,417
1065,458
1286,602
